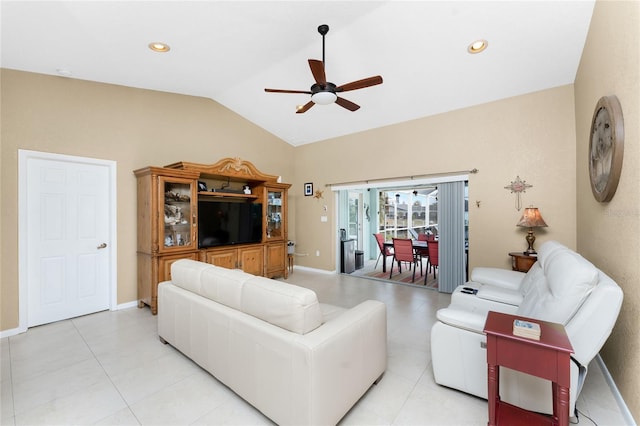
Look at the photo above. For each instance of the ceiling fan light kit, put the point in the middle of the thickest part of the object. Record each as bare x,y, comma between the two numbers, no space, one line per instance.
324,92
324,98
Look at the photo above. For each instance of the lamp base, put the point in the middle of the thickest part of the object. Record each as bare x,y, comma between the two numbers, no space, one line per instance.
530,240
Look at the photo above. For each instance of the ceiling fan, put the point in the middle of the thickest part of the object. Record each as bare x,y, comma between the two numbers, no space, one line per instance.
324,92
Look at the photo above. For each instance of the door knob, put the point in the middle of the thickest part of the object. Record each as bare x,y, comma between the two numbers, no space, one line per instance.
101,246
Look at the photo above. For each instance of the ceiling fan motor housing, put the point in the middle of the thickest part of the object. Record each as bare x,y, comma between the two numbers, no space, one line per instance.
327,87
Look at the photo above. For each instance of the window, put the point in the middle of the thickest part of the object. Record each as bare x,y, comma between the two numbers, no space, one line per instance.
405,213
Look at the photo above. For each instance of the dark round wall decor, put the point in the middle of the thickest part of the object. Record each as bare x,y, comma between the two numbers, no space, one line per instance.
606,148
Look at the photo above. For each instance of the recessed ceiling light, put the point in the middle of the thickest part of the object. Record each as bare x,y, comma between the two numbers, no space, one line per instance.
477,46
159,47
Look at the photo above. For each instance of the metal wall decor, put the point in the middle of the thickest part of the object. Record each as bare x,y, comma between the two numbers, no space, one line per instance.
518,186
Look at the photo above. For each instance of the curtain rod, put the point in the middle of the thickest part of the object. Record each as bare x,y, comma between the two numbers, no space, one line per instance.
391,179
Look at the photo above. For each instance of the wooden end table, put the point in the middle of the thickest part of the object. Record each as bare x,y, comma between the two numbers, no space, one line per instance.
522,262
548,358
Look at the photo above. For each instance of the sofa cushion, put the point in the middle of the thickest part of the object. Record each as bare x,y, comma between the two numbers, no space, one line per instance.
224,285
568,281
502,278
187,274
547,250
533,275
331,312
502,295
288,306
535,292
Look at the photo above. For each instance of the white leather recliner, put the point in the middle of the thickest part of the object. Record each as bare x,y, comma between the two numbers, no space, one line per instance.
561,287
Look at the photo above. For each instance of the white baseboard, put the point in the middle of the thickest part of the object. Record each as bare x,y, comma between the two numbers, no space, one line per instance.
127,305
628,417
15,331
319,271
11,332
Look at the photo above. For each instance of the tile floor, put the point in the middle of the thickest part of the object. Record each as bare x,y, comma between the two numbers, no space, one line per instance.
110,368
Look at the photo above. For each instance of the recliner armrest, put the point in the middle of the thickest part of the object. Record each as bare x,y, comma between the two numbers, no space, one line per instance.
462,318
498,277
500,294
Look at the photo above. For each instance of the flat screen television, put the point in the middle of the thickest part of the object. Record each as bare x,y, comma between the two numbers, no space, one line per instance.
227,222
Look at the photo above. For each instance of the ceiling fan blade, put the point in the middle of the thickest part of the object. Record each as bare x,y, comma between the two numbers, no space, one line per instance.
287,91
317,69
347,104
360,84
305,107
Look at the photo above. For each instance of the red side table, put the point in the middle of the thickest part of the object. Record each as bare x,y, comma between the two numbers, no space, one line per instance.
548,358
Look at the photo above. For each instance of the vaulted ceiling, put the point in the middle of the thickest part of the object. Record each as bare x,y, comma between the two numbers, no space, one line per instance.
230,51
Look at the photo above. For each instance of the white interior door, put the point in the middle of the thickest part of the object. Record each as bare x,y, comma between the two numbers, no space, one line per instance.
68,248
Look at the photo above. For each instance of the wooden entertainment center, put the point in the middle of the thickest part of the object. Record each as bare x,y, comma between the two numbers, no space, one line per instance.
168,220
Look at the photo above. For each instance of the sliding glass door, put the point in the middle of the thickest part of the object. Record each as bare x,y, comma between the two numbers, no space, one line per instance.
406,210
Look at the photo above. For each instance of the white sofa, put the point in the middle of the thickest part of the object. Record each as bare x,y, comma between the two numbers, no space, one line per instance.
561,287
297,361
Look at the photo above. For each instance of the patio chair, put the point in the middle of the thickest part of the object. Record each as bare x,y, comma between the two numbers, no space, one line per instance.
433,258
388,251
403,252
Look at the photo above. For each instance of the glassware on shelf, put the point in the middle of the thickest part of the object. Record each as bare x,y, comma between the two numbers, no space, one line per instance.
274,214
178,207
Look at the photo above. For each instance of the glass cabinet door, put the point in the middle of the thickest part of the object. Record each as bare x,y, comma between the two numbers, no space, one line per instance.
275,214
178,219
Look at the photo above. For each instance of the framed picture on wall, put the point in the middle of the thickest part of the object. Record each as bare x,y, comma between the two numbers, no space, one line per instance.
308,189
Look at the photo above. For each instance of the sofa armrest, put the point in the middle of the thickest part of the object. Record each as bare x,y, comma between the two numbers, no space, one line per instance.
363,327
350,349
498,277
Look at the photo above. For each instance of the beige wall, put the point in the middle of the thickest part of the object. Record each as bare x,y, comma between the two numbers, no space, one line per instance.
136,128
531,136
608,233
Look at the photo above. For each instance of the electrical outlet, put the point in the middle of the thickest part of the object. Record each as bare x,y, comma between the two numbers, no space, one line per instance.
317,252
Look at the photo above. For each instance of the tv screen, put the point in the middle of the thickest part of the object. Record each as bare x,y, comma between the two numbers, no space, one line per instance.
227,222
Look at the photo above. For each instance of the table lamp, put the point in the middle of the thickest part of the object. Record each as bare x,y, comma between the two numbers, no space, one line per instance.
531,218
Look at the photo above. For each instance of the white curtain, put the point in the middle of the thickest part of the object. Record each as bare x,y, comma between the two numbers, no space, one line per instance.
452,269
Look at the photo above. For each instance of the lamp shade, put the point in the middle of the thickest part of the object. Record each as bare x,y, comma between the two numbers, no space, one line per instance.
531,218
